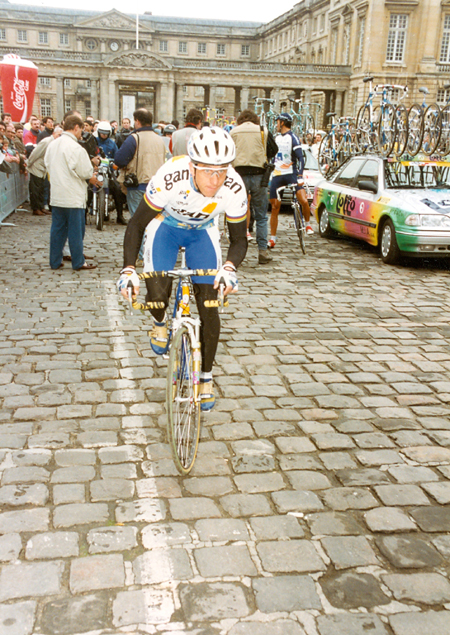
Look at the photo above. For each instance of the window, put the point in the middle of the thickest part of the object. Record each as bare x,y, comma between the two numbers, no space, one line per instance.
443,95
45,81
88,83
201,48
322,22
91,44
396,37
314,26
221,49
346,51
64,39
22,36
348,173
67,84
184,89
182,47
445,48
369,172
67,105
334,38
245,50
88,108
46,108
362,28
2,34
43,37
163,46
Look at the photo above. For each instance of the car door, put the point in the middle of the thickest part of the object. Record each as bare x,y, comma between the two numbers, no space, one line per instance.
365,214
344,199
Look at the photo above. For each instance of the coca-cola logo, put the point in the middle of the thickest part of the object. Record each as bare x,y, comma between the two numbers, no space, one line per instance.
18,96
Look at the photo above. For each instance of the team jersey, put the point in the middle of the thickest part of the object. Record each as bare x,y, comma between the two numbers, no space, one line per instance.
289,153
172,192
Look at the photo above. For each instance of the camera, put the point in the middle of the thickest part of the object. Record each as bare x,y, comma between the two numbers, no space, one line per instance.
131,180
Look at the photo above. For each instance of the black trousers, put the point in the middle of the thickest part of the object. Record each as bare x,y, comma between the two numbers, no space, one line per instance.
37,192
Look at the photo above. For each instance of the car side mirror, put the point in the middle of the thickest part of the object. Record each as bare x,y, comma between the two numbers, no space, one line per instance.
367,186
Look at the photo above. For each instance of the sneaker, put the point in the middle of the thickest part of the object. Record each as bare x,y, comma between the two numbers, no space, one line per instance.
249,237
309,230
270,244
159,338
207,398
264,257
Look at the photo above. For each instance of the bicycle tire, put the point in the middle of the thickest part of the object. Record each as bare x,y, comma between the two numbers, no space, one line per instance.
363,128
299,226
100,211
401,138
444,142
386,130
327,157
415,127
183,410
431,129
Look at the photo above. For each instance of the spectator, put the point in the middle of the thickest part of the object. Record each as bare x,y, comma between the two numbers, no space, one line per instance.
12,148
114,127
167,136
48,128
2,128
125,131
69,167
18,141
38,173
175,123
30,136
316,144
109,148
180,138
140,156
251,158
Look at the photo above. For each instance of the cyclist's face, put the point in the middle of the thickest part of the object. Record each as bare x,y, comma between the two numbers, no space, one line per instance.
208,178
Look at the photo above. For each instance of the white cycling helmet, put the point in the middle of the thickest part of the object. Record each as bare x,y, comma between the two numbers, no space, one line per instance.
104,127
211,146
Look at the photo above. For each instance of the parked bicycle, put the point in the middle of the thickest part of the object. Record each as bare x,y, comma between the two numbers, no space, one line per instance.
338,144
299,219
100,196
184,366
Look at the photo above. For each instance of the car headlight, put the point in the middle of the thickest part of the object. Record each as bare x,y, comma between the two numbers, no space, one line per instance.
428,220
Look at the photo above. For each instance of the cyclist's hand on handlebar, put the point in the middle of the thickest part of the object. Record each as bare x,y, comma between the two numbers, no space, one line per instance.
95,161
94,181
128,275
300,181
227,276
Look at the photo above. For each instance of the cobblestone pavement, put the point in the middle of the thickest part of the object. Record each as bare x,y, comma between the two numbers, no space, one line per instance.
319,503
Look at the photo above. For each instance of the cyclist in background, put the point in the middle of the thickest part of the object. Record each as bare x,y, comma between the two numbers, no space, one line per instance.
179,209
289,165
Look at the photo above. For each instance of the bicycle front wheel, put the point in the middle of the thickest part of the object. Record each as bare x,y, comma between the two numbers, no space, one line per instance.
300,226
182,403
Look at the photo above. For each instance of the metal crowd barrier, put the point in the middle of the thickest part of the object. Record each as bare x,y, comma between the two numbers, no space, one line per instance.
13,191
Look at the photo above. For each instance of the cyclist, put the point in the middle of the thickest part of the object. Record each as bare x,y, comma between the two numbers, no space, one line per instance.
180,209
289,165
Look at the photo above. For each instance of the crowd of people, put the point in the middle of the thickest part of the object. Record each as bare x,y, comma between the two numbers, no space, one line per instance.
213,172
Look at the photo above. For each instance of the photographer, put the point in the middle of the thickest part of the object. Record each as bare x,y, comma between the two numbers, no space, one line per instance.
140,156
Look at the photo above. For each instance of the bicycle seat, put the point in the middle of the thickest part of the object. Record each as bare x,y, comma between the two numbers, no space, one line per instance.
424,90
330,114
367,79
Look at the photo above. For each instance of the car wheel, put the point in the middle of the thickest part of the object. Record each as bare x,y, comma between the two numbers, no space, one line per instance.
390,253
324,223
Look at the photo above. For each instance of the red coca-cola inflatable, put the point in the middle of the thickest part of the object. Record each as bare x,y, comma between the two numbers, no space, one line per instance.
18,78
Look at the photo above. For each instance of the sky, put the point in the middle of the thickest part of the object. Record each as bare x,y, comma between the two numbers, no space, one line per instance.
229,10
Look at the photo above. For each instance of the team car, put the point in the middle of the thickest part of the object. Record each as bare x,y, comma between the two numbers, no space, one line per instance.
402,207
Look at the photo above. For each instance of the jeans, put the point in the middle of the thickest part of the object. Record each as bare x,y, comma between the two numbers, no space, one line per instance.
67,223
259,204
134,197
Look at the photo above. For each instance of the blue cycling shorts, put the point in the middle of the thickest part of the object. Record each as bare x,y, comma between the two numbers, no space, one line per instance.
163,242
280,181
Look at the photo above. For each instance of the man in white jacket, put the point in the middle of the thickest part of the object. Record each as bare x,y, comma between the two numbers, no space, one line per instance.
69,169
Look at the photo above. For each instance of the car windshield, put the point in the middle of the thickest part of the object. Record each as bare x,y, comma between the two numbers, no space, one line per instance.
310,160
412,175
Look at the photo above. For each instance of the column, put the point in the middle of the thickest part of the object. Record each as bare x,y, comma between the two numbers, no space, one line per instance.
170,99
104,97
165,110
113,110
212,95
245,92
179,103
158,105
206,96
276,96
339,102
307,96
237,100
94,98
60,106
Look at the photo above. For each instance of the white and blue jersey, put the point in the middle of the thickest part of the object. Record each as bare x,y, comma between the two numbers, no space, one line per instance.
289,158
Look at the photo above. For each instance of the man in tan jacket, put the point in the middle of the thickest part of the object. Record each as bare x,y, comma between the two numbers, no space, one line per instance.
251,158
140,156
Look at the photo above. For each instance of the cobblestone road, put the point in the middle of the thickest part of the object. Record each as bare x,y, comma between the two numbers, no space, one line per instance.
319,503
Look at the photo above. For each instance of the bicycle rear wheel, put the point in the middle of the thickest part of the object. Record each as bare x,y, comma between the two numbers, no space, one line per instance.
386,130
444,143
183,409
300,226
328,160
401,138
432,129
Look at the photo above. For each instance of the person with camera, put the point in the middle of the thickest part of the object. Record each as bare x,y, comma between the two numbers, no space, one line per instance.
140,156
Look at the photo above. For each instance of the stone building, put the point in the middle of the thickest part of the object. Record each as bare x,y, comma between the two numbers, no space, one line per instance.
320,50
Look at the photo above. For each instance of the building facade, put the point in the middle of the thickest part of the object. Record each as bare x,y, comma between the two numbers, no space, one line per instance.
320,50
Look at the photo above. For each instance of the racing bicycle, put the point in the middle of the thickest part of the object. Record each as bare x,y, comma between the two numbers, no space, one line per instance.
185,360
299,219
